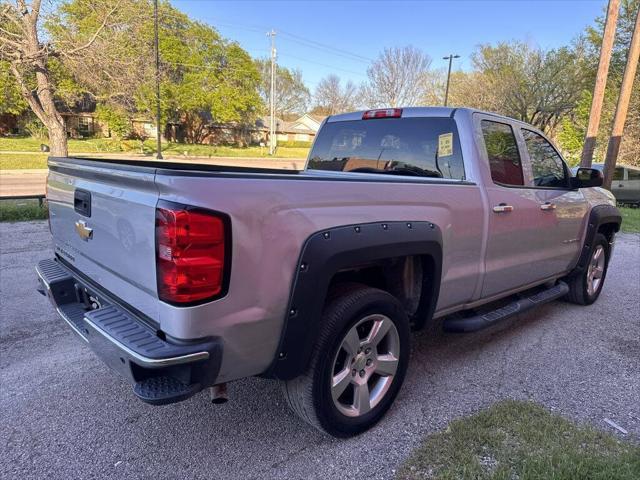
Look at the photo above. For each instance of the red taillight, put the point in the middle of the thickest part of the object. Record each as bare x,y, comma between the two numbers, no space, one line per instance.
190,253
383,113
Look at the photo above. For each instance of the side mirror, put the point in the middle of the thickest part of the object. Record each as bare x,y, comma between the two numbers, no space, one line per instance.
588,177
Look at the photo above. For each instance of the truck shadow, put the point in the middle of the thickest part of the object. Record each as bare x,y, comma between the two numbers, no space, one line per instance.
257,412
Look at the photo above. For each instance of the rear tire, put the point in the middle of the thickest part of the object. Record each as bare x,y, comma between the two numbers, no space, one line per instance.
366,331
585,286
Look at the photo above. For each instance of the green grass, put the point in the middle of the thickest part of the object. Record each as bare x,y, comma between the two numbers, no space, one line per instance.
12,161
22,210
521,440
110,145
630,220
93,145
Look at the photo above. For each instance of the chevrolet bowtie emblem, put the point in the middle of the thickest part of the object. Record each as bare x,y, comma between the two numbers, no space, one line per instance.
85,232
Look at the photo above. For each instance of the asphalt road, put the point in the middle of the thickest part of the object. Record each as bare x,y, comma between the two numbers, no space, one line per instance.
65,415
32,182
22,182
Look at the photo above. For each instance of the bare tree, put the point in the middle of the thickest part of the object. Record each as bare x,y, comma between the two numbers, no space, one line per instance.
28,55
292,96
331,97
397,77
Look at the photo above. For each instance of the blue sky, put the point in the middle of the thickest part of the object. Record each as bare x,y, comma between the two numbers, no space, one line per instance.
356,31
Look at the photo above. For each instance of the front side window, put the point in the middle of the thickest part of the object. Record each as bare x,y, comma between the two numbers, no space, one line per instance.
633,174
502,151
423,147
618,174
546,164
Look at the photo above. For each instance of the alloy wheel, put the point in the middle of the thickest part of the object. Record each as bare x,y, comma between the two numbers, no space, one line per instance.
365,365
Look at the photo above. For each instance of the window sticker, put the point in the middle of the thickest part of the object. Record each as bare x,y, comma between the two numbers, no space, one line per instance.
445,145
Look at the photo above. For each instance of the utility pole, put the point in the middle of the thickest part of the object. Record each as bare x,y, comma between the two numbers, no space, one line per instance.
601,82
272,95
623,105
157,52
446,92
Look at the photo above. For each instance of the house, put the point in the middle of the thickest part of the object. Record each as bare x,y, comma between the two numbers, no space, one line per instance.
9,124
303,129
307,122
82,125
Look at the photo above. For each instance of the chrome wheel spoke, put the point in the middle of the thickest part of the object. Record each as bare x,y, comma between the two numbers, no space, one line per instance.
379,330
340,382
361,400
386,365
351,342
597,272
597,254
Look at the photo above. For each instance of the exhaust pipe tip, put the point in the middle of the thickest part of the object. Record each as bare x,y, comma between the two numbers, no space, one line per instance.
218,394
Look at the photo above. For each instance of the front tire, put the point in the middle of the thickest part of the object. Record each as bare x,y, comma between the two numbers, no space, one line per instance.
585,286
358,363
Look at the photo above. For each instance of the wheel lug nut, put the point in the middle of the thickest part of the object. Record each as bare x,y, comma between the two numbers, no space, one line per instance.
362,373
369,362
367,351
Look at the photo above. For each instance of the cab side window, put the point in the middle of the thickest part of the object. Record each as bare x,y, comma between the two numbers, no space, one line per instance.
502,151
618,174
546,164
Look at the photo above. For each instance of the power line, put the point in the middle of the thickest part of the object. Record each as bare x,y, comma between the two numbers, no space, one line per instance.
291,37
288,55
295,38
329,48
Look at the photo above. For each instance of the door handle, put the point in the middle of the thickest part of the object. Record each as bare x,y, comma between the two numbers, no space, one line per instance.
548,206
503,208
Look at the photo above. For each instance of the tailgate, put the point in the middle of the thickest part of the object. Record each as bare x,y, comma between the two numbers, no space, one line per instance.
102,219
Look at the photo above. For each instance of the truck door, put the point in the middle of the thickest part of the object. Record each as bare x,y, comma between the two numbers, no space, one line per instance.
522,242
626,185
566,207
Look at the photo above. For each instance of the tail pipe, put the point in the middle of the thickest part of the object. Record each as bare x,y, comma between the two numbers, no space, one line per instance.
218,394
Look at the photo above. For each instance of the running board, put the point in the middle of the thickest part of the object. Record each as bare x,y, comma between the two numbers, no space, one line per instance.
478,322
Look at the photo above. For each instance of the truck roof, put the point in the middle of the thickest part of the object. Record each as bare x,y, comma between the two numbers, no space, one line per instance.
408,112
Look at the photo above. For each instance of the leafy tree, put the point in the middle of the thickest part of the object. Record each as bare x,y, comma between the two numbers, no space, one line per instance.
11,100
116,119
222,88
292,95
204,78
570,135
120,58
535,86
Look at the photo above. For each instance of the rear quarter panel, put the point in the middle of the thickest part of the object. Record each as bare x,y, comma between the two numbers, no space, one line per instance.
272,217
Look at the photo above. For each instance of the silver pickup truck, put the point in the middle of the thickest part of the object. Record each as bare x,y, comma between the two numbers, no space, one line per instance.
185,277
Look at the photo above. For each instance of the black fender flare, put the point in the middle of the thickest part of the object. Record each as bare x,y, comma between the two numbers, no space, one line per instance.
325,253
599,215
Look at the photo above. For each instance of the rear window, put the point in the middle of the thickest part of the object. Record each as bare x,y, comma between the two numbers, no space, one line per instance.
425,147
502,151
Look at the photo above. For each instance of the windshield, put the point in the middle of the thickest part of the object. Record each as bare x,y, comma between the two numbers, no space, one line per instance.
427,147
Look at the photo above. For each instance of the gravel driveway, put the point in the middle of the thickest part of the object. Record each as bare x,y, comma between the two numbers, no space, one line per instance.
65,415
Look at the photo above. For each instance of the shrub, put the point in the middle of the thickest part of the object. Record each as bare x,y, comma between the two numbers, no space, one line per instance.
35,128
294,144
117,120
